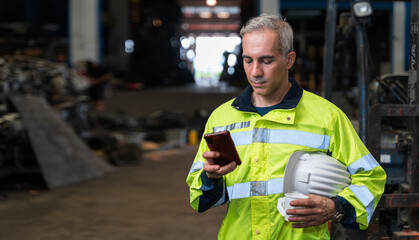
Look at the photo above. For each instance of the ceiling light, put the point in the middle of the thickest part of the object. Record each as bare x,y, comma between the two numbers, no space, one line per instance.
211,3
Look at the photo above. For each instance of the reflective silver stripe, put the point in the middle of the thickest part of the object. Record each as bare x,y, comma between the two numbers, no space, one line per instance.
307,139
230,127
239,190
258,188
275,185
264,135
365,163
255,188
261,135
365,196
242,138
196,166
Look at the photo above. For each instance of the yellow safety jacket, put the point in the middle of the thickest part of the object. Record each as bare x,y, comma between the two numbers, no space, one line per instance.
302,121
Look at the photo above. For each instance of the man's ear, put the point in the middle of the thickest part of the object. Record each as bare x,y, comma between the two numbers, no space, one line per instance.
290,58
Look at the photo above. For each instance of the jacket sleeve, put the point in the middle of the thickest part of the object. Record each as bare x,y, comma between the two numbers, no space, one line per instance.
368,178
204,193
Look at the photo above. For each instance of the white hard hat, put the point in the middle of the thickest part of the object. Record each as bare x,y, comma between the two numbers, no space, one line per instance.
315,173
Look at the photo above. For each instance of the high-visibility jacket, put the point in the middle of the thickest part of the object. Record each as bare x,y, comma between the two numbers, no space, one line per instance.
302,121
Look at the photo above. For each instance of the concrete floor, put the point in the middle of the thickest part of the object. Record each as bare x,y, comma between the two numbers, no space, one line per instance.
145,201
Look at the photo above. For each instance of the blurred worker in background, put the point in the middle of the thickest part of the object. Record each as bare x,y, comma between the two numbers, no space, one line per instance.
273,118
99,80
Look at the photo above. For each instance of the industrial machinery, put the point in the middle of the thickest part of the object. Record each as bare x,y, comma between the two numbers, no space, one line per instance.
393,139
389,128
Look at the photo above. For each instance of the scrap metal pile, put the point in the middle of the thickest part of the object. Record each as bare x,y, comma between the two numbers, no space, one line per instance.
64,91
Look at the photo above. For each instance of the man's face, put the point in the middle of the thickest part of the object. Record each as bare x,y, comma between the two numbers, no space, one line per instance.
266,69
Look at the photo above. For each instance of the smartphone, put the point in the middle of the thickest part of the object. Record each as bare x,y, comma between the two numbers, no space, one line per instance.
223,143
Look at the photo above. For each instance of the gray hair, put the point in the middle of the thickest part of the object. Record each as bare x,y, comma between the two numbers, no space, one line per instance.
275,23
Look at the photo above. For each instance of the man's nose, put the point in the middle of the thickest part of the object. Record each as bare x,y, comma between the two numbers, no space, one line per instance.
256,70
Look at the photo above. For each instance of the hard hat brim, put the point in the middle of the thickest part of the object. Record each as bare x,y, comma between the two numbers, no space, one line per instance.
289,186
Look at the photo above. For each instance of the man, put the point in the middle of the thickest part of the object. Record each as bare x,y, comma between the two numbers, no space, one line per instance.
99,80
273,118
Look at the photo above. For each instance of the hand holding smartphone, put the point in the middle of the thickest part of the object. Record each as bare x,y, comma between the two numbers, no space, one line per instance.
223,143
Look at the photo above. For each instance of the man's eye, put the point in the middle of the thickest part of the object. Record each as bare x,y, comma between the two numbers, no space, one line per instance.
267,61
248,61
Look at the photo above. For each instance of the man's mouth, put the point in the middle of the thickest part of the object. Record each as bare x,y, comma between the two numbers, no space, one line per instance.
258,83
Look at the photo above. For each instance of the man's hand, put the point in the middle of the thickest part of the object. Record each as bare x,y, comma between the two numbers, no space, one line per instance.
317,210
213,170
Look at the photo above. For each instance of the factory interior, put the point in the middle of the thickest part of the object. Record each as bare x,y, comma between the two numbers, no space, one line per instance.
103,104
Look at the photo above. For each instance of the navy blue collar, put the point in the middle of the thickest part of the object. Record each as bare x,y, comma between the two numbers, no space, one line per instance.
244,101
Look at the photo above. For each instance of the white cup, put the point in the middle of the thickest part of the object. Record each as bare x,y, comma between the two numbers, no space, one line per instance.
284,203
